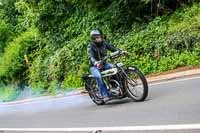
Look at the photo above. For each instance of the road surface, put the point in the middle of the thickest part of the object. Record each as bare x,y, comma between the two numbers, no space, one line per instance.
168,103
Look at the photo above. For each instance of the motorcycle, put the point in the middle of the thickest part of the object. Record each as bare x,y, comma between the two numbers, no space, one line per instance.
125,81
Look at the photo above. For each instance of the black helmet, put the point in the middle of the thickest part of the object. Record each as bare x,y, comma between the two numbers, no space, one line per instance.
96,36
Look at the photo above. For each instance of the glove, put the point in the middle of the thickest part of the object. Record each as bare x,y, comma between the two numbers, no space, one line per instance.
98,64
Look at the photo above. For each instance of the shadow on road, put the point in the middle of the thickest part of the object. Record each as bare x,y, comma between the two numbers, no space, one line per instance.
123,101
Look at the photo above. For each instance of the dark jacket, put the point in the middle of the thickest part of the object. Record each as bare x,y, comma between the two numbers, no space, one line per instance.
97,53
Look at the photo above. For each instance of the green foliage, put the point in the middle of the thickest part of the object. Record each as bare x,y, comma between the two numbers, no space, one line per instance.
8,93
71,80
8,11
26,18
52,87
5,33
167,42
13,65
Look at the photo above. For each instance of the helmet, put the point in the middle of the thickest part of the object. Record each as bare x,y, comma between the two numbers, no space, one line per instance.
96,37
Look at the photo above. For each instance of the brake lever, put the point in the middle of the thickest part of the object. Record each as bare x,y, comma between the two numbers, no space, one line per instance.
126,54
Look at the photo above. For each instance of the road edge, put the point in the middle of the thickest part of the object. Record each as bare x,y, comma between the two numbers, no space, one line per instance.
150,80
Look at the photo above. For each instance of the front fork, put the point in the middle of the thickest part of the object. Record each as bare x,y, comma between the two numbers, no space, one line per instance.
126,77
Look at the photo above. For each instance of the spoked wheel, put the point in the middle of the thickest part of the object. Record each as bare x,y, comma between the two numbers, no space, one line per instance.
94,93
136,85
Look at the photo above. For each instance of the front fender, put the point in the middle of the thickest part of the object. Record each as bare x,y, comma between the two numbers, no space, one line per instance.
132,68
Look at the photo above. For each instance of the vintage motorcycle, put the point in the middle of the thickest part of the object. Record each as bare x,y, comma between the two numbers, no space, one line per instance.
124,81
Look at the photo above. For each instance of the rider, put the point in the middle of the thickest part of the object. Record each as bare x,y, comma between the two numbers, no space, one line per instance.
97,50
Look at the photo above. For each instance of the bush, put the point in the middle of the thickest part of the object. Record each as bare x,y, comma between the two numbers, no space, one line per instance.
8,93
5,34
164,44
13,65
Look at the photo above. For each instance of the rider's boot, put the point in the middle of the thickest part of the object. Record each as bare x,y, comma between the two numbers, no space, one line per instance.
105,99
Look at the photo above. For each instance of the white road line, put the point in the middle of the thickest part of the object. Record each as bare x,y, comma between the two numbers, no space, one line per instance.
124,128
172,81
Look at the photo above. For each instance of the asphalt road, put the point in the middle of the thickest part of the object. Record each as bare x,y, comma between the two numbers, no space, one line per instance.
174,102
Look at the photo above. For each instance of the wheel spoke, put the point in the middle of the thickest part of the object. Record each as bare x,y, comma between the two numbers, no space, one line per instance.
136,89
95,94
135,85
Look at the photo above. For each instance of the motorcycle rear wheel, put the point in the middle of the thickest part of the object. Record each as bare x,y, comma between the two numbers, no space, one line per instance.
93,92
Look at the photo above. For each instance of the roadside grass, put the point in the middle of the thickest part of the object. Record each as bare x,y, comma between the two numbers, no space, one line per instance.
8,93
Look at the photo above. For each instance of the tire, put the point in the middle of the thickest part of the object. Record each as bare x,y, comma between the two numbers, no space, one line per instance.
93,92
132,83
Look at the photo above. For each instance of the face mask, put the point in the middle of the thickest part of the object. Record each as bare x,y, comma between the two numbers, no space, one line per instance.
98,40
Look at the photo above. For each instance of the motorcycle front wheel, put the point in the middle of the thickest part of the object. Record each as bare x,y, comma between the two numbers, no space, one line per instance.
136,84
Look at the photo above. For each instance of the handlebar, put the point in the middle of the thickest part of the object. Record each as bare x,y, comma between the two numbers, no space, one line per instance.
115,55
112,56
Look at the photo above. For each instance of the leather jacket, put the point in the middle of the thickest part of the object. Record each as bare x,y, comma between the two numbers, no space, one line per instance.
97,53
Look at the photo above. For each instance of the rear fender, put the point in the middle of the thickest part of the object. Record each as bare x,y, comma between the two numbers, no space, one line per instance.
86,77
